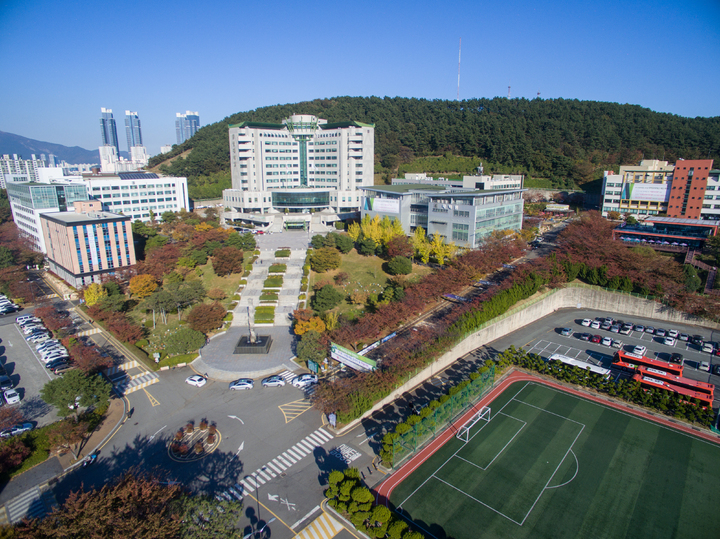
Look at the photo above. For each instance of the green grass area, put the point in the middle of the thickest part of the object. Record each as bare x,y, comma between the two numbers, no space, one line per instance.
549,464
282,253
278,268
365,274
268,296
273,282
176,360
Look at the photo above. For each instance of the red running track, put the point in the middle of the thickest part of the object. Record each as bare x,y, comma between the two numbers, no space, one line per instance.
386,487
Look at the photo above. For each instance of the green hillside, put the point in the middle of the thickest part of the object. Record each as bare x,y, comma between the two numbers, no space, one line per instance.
566,141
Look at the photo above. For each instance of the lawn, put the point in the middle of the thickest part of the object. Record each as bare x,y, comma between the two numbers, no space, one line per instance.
365,274
549,464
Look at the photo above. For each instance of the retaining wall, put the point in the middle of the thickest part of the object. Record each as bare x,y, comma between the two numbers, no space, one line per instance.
572,296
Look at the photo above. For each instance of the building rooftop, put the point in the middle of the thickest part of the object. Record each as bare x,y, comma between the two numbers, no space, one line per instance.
473,192
72,217
405,188
678,221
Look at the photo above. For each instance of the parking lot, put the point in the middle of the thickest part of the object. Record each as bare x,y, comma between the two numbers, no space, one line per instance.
26,371
551,341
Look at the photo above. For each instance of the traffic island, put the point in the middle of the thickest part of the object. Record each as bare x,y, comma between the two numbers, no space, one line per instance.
192,443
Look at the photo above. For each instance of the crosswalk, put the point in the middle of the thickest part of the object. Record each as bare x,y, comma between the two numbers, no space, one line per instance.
323,527
34,503
288,377
277,466
280,464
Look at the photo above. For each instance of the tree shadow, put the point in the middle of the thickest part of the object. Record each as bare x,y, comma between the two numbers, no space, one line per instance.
211,475
326,463
34,408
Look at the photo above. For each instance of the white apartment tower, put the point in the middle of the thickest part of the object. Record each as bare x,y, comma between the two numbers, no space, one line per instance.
299,165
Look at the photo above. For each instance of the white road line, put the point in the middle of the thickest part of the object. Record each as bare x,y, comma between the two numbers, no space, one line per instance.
268,475
327,435
297,455
288,457
300,450
305,517
306,445
277,469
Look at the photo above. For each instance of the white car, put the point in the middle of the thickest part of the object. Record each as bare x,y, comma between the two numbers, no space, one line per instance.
639,350
586,322
607,341
196,380
670,341
305,380
12,396
595,324
674,333
241,384
273,381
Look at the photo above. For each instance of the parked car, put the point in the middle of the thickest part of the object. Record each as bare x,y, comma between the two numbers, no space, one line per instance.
660,332
596,338
617,344
708,347
640,328
17,429
676,358
606,326
586,322
595,324
55,362
305,380
705,366
674,333
585,336
273,381
12,396
62,368
241,384
684,337
640,350
615,328
698,340
607,341
566,332
196,380
716,369
669,341
5,383
649,329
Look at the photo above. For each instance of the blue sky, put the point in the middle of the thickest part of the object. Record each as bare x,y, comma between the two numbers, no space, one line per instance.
63,61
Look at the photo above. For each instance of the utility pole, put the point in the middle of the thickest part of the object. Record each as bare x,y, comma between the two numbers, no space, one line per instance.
459,54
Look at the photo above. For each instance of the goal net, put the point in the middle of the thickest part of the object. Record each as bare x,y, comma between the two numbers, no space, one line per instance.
463,432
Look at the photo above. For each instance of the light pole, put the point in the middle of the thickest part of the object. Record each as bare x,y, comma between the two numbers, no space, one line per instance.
257,499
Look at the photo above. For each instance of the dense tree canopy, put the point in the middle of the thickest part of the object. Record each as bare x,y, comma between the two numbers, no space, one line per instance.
544,137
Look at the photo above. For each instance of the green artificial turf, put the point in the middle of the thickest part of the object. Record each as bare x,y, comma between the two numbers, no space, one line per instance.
549,464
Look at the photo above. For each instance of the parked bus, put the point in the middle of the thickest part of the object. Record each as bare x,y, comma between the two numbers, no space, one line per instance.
630,362
582,364
648,382
679,381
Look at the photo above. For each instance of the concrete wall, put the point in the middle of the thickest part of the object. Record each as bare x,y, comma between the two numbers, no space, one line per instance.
562,298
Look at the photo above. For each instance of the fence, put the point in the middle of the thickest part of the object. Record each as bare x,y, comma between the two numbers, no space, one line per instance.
428,427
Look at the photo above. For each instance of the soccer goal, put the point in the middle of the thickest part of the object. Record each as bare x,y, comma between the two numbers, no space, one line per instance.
463,432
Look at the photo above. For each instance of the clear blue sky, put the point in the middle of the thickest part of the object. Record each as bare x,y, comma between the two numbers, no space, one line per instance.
65,60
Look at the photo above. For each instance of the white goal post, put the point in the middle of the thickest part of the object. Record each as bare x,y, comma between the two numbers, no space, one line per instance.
463,432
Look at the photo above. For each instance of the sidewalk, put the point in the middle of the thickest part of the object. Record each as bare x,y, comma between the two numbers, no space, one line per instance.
115,413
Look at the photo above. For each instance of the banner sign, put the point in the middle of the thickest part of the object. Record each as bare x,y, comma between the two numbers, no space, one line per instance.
351,359
383,205
653,192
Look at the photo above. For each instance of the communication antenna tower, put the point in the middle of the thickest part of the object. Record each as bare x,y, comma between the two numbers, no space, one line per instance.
508,91
459,54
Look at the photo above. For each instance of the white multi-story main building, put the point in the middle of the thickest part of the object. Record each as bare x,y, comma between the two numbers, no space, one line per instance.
300,165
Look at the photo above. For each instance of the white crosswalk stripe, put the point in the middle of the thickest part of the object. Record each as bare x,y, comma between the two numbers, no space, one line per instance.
279,464
287,376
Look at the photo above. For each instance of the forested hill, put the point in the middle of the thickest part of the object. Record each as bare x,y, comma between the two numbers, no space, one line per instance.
547,138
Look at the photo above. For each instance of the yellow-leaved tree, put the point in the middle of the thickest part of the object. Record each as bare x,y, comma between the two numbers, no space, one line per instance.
354,231
420,243
314,324
203,227
371,229
94,293
440,249
142,286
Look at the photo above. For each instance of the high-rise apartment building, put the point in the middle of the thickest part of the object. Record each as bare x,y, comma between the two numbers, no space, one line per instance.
186,125
300,165
132,130
108,130
14,168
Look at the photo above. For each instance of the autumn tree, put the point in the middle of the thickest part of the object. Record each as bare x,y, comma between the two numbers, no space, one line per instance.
93,293
142,286
227,260
12,454
205,318
137,506
399,246
312,346
88,359
216,294
67,434
124,328
314,324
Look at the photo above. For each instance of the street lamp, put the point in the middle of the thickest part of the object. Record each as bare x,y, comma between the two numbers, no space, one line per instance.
260,530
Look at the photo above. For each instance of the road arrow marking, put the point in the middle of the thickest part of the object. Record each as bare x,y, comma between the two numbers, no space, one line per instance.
153,436
236,417
242,445
273,498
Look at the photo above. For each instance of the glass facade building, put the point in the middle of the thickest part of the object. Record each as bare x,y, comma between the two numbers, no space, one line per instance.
108,129
132,130
186,125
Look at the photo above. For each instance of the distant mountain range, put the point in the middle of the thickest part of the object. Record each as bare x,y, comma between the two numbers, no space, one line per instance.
24,147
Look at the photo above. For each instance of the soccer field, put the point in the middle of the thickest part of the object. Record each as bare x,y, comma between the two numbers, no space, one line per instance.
549,464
